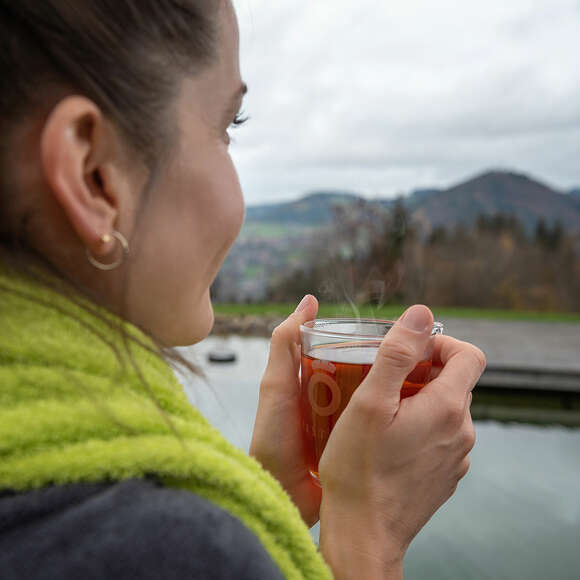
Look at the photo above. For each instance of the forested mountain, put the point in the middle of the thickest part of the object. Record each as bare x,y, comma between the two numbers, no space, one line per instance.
286,237
498,192
490,193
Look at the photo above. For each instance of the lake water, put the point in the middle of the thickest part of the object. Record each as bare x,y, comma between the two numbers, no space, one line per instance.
515,516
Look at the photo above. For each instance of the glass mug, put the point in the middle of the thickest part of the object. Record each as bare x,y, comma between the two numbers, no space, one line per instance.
337,354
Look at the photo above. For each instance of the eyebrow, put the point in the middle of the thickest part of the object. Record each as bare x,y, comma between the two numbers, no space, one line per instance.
242,91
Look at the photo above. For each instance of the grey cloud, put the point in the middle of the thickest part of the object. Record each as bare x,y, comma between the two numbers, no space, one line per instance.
381,97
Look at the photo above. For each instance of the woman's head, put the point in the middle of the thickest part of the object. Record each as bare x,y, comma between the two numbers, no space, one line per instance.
114,116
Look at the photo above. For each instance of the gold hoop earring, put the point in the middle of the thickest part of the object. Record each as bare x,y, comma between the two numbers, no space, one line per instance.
124,252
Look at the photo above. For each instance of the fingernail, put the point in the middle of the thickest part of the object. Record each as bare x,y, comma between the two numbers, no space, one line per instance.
302,304
417,318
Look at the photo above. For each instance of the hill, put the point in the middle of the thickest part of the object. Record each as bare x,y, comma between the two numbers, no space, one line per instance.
499,192
277,238
489,193
315,209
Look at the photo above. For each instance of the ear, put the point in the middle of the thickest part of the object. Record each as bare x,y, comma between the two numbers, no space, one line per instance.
76,154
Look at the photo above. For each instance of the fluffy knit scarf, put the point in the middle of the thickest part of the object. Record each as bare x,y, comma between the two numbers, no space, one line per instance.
74,407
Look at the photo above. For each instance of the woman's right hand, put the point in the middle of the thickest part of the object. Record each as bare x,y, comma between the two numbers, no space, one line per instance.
390,464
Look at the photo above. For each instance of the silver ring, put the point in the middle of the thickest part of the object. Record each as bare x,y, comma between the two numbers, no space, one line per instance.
125,252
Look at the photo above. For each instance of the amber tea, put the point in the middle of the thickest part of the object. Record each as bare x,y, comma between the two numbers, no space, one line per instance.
332,371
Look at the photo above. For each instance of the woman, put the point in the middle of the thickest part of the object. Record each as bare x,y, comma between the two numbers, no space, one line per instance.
119,202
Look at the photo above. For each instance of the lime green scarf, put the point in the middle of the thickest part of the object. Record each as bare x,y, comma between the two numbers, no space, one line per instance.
74,408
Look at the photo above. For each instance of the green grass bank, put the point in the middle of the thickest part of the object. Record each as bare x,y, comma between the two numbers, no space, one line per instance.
393,311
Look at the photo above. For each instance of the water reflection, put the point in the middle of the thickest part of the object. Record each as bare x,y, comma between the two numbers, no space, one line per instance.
515,516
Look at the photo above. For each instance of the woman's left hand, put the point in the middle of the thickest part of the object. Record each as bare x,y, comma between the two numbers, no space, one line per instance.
277,438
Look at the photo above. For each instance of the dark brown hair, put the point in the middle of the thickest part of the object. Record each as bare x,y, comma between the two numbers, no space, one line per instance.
125,55
128,56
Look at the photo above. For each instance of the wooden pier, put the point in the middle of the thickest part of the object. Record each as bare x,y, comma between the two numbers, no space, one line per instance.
539,396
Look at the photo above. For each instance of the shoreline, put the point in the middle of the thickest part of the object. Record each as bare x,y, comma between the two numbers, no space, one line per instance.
502,394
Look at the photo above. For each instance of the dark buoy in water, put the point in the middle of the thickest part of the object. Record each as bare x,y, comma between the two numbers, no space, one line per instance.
223,355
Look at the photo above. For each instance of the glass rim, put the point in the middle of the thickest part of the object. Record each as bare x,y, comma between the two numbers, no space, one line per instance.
311,327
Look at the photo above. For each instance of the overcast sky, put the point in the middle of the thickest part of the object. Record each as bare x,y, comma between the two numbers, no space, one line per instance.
383,96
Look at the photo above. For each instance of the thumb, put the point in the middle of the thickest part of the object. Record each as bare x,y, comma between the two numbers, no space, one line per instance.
402,348
286,336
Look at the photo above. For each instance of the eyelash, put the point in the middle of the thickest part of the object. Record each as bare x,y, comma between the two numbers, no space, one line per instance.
239,120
